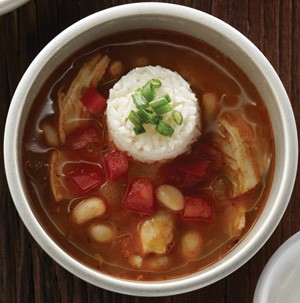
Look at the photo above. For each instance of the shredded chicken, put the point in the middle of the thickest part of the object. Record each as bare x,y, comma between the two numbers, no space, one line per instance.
71,110
56,175
234,220
244,156
156,234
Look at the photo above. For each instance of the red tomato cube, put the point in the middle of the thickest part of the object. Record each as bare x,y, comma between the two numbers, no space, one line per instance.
93,101
84,137
85,176
116,165
140,196
198,209
185,172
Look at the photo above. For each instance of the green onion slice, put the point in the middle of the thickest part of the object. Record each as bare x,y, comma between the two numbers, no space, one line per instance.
160,106
139,100
177,116
145,116
160,110
164,129
156,83
148,89
158,102
135,118
139,129
151,110
167,97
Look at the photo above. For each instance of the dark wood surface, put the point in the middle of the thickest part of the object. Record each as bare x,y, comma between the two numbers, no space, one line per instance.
28,274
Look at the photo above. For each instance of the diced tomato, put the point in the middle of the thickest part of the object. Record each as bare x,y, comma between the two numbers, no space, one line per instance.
93,101
140,196
185,172
196,166
116,165
198,209
84,176
84,136
87,142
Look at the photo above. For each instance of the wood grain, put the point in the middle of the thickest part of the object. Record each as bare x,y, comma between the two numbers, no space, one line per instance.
28,274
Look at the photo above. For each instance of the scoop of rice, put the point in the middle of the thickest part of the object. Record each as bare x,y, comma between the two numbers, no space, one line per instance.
152,146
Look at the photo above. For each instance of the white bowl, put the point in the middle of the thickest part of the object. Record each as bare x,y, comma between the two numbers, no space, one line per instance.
7,6
221,36
280,280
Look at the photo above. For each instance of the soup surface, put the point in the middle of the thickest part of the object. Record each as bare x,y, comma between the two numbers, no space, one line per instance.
139,220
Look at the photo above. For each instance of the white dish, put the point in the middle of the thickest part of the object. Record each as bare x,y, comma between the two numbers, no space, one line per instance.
7,6
162,16
280,279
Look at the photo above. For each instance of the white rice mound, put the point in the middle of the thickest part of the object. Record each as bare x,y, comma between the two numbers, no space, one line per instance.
152,146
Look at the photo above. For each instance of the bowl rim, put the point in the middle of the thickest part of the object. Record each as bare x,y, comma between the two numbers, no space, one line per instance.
7,6
156,288
280,259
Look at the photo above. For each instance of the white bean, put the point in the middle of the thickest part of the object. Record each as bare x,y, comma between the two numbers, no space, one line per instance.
211,106
102,232
141,61
88,209
135,261
115,69
191,244
157,263
170,197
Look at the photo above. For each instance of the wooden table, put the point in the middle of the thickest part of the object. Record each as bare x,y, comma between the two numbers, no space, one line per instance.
28,274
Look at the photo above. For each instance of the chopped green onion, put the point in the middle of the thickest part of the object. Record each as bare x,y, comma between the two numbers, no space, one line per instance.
139,129
139,100
160,110
160,106
164,129
135,118
167,97
148,117
156,83
145,116
148,89
156,118
177,116
150,110
158,102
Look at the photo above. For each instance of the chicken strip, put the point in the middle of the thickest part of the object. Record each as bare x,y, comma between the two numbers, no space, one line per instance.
56,175
71,110
245,158
156,233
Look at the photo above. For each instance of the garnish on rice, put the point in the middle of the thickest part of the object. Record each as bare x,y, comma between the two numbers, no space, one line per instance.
151,109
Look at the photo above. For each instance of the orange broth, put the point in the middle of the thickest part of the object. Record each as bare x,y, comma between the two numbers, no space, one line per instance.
208,71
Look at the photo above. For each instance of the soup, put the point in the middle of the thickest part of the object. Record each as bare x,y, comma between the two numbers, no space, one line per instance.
102,185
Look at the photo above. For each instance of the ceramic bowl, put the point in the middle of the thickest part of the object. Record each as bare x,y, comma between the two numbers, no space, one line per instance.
7,6
221,36
280,279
